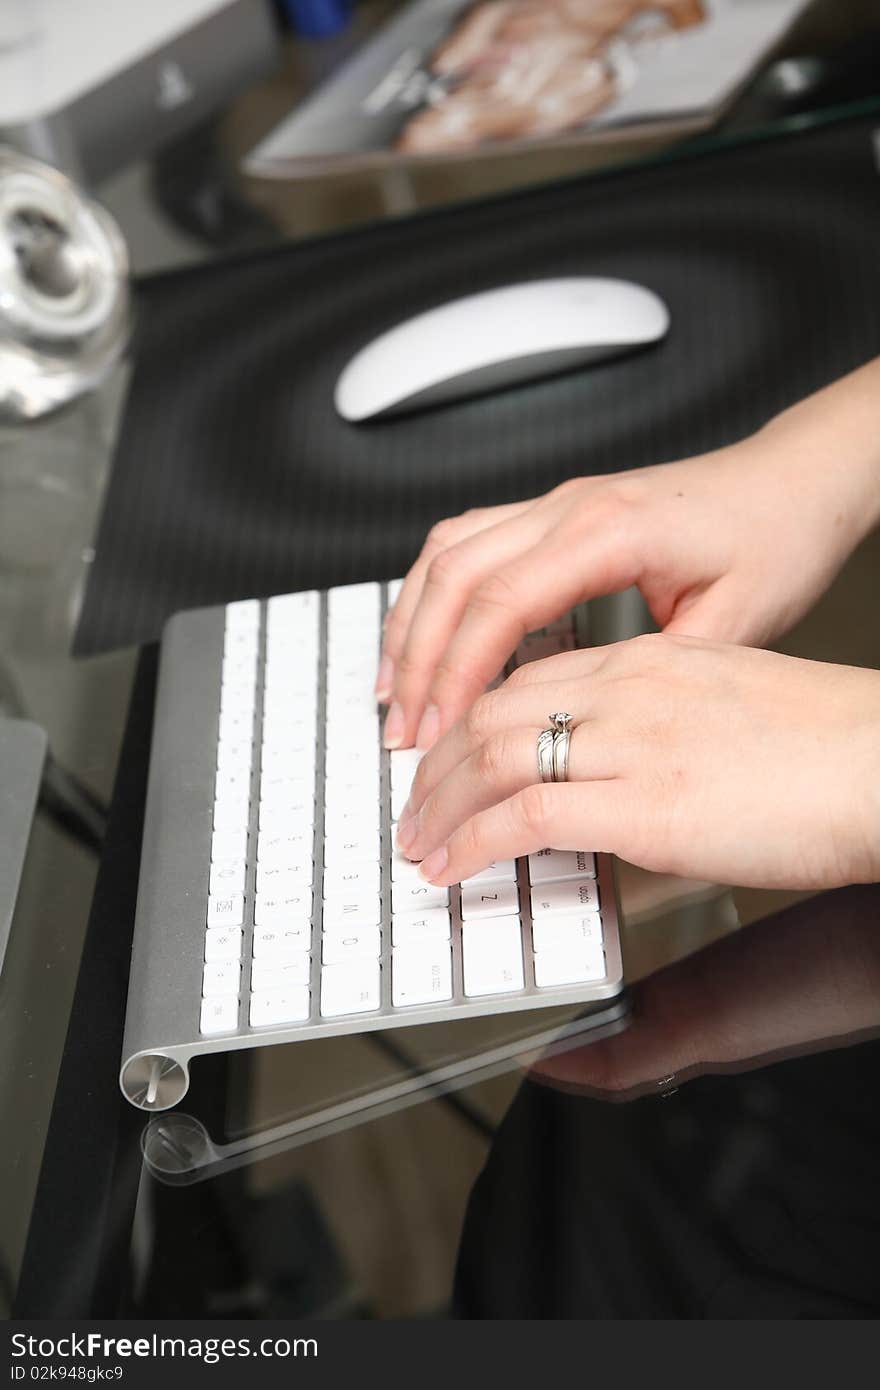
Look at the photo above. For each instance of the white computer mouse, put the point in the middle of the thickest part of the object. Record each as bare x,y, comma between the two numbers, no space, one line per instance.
498,338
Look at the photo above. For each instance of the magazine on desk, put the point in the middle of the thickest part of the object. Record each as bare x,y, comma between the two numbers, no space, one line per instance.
451,77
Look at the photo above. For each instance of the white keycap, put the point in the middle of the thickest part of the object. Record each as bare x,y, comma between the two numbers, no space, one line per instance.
229,842
343,793
234,727
404,764
298,726
555,865
359,764
352,820
239,668
417,897
282,943
364,943
352,988
278,820
348,847
404,870
218,1016
421,974
231,815
353,603
356,705
243,615
296,793
283,880
289,850
270,973
293,760
225,911
569,967
500,899
399,798
235,754
573,897
277,1006
221,979
346,879
292,609
227,876
238,700
361,909
232,786
567,933
358,672
394,588
289,687
492,956
223,943
415,928
272,908
503,870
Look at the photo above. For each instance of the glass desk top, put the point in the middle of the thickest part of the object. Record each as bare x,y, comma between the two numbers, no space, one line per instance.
744,1039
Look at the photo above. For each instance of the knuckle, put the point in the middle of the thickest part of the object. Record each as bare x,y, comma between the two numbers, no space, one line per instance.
454,677
494,757
498,591
444,569
534,805
442,534
481,718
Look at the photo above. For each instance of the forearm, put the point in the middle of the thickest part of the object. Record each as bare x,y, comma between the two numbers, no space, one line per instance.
832,440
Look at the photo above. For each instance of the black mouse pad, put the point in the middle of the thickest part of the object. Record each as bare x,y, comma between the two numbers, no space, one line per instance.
233,475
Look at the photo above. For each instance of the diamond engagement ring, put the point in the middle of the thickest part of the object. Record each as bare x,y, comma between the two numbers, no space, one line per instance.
553,748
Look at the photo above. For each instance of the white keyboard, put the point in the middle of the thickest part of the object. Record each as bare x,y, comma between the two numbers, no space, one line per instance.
272,905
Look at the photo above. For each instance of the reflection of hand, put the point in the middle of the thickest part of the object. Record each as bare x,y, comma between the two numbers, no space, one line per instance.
722,763
805,981
539,87
501,22
735,546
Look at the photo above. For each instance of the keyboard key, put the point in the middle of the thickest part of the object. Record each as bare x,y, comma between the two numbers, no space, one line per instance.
363,943
281,881
291,850
235,727
341,847
499,899
404,764
272,908
352,820
227,877
567,933
223,943
421,974
243,615
503,870
575,967
353,604
226,911
282,942
351,878
279,820
415,928
417,897
273,1007
394,588
294,793
555,865
352,988
231,815
492,956
221,979
218,1016
272,973
232,785
571,898
404,870
362,909
229,842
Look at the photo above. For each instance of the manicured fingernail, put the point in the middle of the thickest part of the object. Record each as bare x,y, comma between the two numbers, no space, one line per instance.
384,678
394,726
435,863
406,832
429,728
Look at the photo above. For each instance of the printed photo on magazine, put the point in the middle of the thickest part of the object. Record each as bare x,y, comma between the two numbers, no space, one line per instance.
445,77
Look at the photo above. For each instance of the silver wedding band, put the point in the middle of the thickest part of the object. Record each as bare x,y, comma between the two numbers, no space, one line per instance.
553,749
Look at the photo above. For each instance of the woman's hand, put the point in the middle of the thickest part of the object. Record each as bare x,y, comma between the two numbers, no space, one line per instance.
687,757
734,546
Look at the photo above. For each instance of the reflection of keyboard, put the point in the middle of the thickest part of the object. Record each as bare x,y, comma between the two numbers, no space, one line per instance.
22,753
271,906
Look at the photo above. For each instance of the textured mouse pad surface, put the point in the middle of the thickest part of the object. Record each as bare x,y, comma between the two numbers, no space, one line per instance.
233,475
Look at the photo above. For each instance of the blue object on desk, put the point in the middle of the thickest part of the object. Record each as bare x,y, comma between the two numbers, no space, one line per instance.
316,19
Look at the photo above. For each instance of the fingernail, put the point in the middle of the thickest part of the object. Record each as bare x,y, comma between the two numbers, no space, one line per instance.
433,866
384,678
406,832
394,726
429,728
